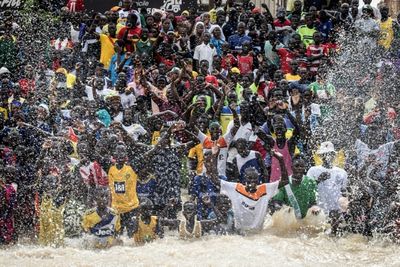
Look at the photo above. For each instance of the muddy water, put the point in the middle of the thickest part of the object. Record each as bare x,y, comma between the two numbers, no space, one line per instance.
264,249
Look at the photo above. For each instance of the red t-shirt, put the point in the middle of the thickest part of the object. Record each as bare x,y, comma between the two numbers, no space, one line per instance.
76,5
245,64
212,79
26,86
278,23
230,60
316,50
131,32
285,56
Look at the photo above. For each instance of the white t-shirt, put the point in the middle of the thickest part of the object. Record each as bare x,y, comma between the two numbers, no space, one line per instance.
101,93
205,52
249,209
329,191
244,131
135,131
223,144
127,101
381,155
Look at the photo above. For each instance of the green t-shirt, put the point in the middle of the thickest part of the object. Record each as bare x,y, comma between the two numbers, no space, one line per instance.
305,194
306,34
323,91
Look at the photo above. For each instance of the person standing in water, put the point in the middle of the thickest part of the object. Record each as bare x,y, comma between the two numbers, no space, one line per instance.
102,222
301,192
331,182
122,182
250,200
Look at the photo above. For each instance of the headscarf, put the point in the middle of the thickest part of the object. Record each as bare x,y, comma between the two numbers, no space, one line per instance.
196,25
215,26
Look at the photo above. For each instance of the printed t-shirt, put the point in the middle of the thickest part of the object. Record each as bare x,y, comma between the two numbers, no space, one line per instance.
123,189
249,208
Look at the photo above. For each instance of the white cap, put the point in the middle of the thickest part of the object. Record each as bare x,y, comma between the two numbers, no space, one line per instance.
326,147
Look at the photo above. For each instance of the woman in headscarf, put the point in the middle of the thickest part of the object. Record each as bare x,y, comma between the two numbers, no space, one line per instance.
206,19
217,39
195,38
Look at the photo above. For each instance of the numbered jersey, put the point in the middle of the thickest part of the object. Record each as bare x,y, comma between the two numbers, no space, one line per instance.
123,189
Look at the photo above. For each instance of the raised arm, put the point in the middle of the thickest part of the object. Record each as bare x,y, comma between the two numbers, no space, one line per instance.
236,120
267,139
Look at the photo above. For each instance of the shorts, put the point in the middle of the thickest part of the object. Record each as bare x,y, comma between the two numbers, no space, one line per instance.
128,222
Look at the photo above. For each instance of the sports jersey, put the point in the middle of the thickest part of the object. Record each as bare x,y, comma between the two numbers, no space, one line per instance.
243,163
276,171
305,194
306,34
223,144
146,232
228,61
122,184
102,228
197,154
146,188
249,208
93,174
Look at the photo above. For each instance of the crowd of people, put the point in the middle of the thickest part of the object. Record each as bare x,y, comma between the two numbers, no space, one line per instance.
108,120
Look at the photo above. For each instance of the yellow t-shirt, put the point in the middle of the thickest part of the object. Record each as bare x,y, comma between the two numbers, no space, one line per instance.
5,113
51,223
103,228
146,232
386,34
292,78
107,49
123,189
71,80
155,138
197,153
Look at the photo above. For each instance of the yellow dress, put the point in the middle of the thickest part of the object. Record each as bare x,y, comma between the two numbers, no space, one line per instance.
51,223
146,232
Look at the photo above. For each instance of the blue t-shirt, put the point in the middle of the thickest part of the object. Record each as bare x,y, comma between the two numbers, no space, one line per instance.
203,185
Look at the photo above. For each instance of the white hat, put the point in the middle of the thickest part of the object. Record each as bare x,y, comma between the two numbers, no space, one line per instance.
326,147
4,70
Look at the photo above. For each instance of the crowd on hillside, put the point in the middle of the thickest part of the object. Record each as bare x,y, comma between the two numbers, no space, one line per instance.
107,120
